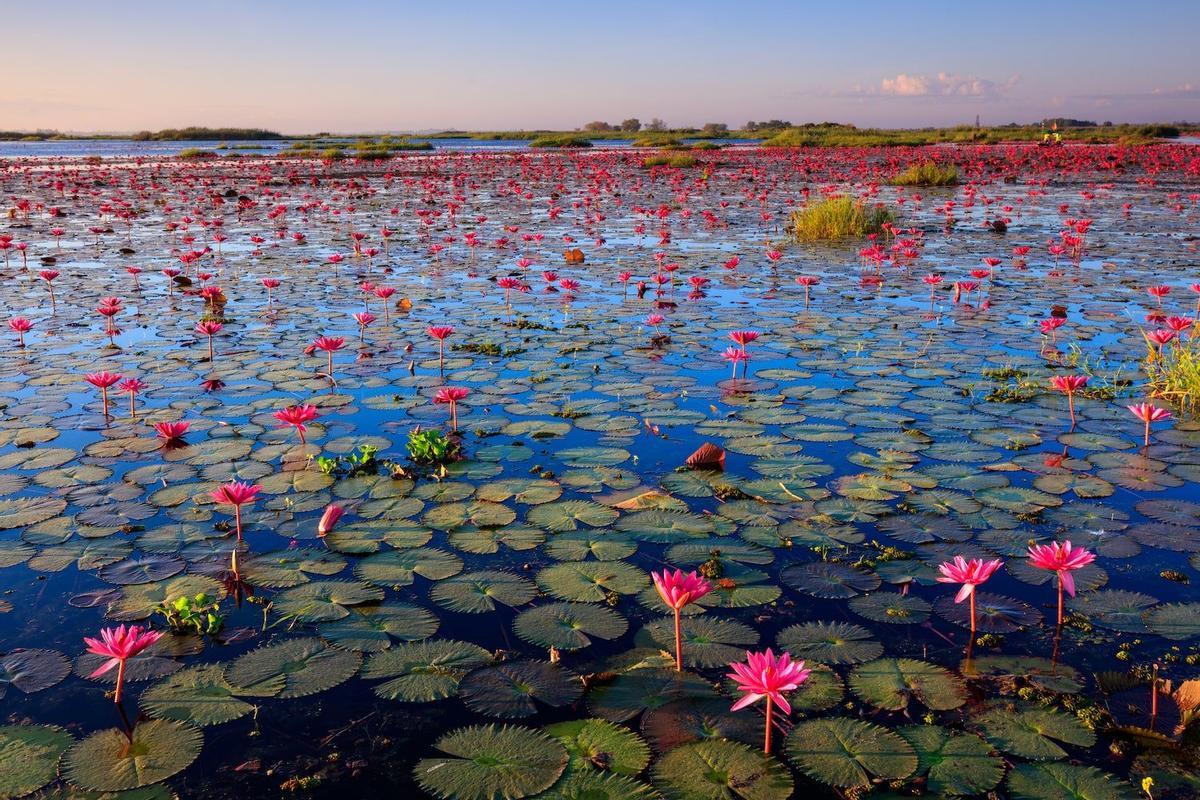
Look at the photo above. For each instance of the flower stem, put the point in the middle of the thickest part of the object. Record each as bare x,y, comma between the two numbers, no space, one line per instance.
120,681
767,735
678,642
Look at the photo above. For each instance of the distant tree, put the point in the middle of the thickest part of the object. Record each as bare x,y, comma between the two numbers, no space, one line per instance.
714,128
656,125
631,125
598,126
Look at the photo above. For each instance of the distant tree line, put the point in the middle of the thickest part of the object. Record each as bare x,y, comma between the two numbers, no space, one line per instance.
201,134
656,125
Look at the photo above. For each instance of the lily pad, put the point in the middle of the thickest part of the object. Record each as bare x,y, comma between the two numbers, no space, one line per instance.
107,761
486,762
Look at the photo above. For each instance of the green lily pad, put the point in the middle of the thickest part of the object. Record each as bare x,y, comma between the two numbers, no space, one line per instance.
569,626
107,761
487,762
481,592
892,683
720,770
602,745
1066,782
201,695
307,665
1034,733
420,672
953,763
848,753
30,756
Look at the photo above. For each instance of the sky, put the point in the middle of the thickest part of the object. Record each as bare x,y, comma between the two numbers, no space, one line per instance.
301,66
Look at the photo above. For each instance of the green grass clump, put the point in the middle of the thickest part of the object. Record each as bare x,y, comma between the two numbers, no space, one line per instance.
837,218
658,140
561,140
1175,374
196,154
678,161
927,174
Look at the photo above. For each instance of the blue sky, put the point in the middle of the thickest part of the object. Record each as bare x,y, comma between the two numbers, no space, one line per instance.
303,66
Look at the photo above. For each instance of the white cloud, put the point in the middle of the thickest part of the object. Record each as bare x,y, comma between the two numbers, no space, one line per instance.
944,84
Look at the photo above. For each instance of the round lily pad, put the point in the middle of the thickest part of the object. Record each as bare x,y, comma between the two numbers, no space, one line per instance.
107,761
864,752
420,672
568,626
29,754
485,762
720,770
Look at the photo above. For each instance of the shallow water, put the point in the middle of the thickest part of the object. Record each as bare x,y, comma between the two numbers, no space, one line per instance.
861,450
125,148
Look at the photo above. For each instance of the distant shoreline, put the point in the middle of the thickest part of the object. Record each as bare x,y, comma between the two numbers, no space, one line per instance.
813,135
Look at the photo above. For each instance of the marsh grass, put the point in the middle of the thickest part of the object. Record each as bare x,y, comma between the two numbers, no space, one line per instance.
838,218
561,140
1175,374
678,161
196,154
926,174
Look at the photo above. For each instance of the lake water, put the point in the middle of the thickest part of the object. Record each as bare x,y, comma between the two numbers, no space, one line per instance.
879,428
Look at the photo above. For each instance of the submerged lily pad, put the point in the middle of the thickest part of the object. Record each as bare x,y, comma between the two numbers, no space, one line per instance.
510,689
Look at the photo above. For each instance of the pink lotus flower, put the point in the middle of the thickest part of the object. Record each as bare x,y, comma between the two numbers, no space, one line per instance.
236,494
1060,559
1147,413
131,387
364,319
677,590
171,431
441,333
209,328
970,574
451,395
297,417
807,281
1069,385
735,357
120,644
743,338
765,675
333,512
508,284
103,381
20,326
330,344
